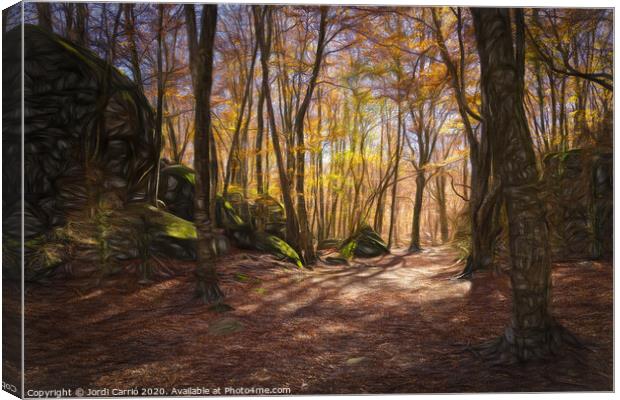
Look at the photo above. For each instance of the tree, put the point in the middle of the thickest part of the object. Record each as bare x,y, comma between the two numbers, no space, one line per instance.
81,24
161,89
44,14
483,200
533,332
427,121
264,30
305,235
130,30
201,51
234,158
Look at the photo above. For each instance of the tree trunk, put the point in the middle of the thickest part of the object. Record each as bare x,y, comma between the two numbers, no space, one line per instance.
263,21
443,212
81,24
260,128
483,229
420,183
201,67
234,161
130,28
244,165
161,87
531,333
399,141
44,15
305,236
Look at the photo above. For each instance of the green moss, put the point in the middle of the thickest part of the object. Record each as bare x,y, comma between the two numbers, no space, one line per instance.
348,249
172,225
226,215
364,242
232,214
277,247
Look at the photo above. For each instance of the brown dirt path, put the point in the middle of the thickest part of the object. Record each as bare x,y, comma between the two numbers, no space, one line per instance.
393,324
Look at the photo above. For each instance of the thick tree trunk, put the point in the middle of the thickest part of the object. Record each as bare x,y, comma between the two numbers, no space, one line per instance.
483,229
532,330
201,66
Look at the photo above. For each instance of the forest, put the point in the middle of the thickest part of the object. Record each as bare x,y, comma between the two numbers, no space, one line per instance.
379,195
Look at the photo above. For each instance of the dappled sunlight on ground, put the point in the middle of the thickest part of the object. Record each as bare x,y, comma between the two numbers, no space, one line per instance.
397,323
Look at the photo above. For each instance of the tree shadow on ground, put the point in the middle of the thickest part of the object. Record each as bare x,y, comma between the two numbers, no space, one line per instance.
393,324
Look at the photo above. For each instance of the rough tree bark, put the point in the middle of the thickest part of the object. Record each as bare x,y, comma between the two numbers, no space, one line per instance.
483,200
201,67
532,333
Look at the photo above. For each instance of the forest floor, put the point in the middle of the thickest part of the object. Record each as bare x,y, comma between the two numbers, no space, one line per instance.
392,324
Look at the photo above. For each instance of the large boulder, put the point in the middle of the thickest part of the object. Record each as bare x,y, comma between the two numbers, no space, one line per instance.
579,199
80,144
88,133
364,243
176,190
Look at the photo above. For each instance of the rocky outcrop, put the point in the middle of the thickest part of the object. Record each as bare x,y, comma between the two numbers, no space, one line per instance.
88,130
579,200
88,134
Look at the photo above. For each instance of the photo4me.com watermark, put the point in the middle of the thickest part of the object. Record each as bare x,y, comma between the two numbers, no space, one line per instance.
135,392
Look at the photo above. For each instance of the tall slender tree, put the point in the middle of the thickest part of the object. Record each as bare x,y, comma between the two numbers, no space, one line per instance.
201,49
305,236
264,31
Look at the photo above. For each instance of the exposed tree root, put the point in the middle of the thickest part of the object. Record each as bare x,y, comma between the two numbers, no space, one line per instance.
209,292
414,249
508,349
470,268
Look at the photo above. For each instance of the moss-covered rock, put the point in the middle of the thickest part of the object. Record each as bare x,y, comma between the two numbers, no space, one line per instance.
176,190
88,135
364,242
268,215
264,213
579,200
274,245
